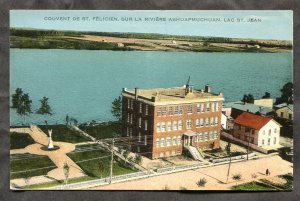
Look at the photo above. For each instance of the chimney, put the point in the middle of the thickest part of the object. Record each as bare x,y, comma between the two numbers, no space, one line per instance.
136,92
124,89
207,88
154,98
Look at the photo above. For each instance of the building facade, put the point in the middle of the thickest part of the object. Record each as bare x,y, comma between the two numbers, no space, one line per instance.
160,122
258,130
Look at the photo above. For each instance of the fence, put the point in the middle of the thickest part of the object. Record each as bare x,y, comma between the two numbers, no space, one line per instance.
181,167
219,160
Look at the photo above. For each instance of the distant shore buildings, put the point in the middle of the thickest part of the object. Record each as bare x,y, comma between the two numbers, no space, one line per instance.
162,122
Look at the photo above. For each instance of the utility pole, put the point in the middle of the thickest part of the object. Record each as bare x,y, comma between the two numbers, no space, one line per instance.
112,160
229,153
248,145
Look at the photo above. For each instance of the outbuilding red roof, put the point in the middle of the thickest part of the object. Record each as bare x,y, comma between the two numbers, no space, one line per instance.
251,120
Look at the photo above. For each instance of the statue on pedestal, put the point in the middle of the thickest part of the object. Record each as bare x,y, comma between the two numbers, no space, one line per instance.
50,144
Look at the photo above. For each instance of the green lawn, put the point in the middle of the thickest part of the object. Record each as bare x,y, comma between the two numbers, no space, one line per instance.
253,186
20,140
63,133
287,186
91,168
22,165
102,131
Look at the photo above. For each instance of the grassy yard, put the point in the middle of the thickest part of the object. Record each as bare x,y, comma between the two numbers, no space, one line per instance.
63,133
91,167
20,140
265,185
102,131
22,165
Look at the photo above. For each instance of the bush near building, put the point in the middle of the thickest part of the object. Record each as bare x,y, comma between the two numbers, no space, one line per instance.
20,140
63,133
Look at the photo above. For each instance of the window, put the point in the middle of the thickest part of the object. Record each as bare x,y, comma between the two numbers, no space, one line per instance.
138,149
198,107
131,117
217,106
168,140
263,142
131,104
176,111
158,128
161,154
264,132
130,132
159,111
211,121
162,142
170,111
205,136
216,120
164,111
163,127
180,125
201,122
179,140
174,141
207,107
128,103
269,141
175,126
206,121
197,123
145,139
169,126
140,136
140,122
216,134
190,109
157,142
281,114
128,117
146,110
200,137
180,110
202,108
252,131
213,107
188,124
211,135
274,140
127,131
290,116
270,132
141,107
146,124
275,130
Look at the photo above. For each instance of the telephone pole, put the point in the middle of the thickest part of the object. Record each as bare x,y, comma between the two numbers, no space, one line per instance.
112,160
248,146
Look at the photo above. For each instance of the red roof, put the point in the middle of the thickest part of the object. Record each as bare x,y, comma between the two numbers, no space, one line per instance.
251,120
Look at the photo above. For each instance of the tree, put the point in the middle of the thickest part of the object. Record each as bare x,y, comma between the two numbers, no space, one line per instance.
66,172
16,98
286,94
45,108
248,98
267,95
101,168
245,99
126,155
116,108
138,159
24,107
67,120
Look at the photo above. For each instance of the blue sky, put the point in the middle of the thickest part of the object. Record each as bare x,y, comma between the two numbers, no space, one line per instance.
272,24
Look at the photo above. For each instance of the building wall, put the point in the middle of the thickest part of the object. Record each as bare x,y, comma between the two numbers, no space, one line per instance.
285,113
269,135
245,133
264,102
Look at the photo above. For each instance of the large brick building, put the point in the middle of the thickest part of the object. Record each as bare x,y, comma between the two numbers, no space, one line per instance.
161,122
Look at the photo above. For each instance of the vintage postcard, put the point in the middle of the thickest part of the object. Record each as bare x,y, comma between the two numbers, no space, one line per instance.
151,100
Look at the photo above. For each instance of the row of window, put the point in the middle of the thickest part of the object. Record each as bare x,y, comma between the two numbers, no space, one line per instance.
140,138
130,117
177,125
249,130
196,108
269,141
206,136
166,142
130,106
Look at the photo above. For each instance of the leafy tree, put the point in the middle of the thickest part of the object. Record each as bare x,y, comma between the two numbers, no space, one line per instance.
138,159
45,108
116,108
16,98
202,182
24,107
248,98
286,94
267,95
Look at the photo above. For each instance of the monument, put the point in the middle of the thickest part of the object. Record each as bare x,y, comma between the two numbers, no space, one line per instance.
50,144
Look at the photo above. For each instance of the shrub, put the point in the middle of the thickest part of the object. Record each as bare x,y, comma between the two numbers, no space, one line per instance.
237,177
202,182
